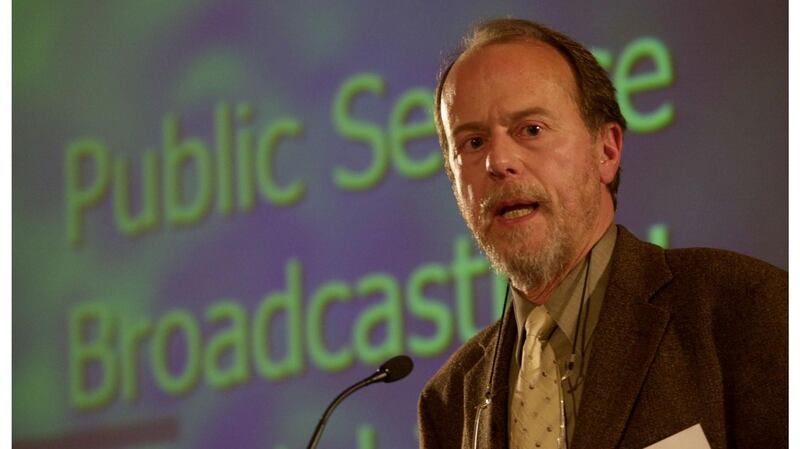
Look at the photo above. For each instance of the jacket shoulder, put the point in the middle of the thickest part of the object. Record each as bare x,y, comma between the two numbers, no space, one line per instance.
728,290
723,267
694,273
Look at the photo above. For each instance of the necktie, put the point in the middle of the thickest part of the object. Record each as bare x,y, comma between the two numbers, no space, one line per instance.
535,405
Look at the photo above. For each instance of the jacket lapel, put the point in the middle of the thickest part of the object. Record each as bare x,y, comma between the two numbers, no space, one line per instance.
626,338
493,427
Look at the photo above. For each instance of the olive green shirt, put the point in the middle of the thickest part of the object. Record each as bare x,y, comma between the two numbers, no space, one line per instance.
563,305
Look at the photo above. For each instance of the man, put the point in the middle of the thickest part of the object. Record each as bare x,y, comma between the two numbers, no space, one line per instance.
609,341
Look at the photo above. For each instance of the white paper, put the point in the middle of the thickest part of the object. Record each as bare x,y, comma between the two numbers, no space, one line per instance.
691,438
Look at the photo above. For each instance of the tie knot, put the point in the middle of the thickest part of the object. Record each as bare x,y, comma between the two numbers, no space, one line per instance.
539,324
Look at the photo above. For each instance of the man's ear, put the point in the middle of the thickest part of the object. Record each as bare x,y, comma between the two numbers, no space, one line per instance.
611,151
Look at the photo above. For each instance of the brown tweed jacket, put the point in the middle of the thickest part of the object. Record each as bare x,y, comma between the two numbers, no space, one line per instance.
684,337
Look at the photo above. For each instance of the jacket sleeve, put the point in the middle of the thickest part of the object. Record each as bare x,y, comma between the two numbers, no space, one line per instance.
757,366
427,412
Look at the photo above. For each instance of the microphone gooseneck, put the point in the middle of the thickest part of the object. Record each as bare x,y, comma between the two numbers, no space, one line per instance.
392,370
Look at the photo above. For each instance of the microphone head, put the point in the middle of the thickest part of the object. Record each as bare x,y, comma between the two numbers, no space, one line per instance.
396,368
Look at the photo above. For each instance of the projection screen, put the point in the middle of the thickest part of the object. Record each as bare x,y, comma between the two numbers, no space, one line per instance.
224,213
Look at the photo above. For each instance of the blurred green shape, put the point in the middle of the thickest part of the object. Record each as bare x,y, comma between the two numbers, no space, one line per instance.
217,73
658,234
48,43
36,407
35,32
313,39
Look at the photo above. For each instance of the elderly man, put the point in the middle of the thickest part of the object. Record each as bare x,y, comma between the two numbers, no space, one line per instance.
609,341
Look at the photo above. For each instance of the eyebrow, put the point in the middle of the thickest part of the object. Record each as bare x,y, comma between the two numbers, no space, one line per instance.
471,126
537,110
513,117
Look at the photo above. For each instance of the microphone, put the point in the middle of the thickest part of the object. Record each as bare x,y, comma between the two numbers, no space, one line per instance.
392,370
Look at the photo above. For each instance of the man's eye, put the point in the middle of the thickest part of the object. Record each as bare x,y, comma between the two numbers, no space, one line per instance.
532,130
473,143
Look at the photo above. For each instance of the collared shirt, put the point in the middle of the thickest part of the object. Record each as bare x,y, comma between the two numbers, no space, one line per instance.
564,305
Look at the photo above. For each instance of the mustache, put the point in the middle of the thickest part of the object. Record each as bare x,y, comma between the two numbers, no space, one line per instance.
527,192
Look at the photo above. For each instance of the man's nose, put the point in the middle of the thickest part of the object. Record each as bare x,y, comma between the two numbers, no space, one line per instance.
503,158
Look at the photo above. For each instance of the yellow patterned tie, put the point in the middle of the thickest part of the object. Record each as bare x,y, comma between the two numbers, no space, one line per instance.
535,405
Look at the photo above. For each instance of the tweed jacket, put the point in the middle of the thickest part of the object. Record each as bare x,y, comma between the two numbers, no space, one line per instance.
684,337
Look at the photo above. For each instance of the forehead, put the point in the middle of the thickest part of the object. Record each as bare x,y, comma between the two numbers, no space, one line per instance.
515,72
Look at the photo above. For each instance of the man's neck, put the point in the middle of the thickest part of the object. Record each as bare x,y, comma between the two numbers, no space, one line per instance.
541,295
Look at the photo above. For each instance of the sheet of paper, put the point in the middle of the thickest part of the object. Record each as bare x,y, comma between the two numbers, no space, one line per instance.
691,438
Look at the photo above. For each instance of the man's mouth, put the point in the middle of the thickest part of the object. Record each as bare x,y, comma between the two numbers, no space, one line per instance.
514,210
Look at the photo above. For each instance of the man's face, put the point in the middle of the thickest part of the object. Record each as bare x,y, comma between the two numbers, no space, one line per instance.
525,167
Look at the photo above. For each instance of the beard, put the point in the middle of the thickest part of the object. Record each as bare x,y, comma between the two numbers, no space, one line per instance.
530,267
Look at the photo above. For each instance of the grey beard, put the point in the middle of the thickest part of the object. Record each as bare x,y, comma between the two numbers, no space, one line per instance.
530,271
